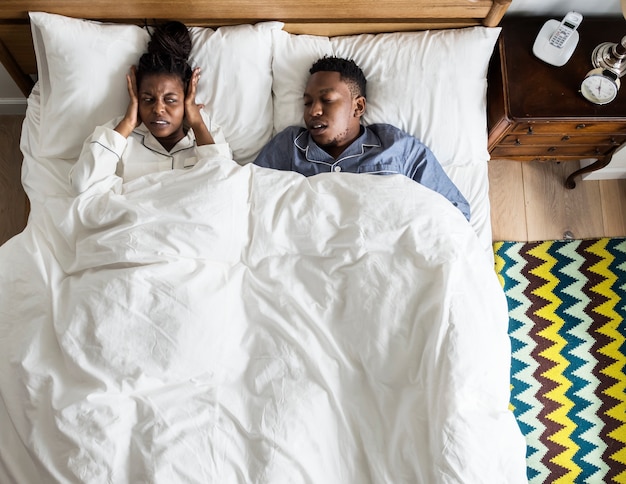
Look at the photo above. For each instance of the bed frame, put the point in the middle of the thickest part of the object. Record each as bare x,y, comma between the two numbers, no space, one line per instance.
323,17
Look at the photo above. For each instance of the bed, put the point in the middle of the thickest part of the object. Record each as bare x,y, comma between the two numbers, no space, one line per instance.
231,323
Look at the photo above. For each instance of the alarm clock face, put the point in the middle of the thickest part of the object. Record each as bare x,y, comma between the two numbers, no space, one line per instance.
599,89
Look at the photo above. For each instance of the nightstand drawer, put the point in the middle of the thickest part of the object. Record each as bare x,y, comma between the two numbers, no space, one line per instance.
562,139
569,127
553,151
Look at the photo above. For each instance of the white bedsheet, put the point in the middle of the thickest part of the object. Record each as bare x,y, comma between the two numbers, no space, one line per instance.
239,324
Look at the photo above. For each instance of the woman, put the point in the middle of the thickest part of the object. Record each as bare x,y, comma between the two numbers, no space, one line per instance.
163,128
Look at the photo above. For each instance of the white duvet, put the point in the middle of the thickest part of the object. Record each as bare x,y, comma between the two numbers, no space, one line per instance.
232,324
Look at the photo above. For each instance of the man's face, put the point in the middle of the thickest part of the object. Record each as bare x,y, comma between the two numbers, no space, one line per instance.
331,112
162,107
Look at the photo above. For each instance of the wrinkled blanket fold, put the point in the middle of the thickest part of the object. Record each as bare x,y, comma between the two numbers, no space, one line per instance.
239,324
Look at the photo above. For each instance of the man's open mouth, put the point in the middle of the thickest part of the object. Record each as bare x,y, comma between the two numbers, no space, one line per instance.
317,127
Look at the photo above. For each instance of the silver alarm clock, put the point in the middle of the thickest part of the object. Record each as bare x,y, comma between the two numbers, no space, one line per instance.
600,86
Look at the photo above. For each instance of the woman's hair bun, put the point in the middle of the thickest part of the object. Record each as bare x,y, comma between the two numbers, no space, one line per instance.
168,52
171,38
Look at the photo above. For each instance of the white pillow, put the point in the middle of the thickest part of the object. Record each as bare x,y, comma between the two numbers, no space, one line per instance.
236,82
293,57
82,67
431,84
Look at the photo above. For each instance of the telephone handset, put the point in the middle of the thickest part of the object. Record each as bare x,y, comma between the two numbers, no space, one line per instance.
556,40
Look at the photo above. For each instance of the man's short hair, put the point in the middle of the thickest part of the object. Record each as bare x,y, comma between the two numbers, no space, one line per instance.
349,71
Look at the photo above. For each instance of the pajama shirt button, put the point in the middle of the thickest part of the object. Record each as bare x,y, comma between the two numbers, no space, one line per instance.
337,169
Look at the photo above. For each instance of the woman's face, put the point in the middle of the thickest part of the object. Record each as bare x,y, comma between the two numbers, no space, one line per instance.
162,107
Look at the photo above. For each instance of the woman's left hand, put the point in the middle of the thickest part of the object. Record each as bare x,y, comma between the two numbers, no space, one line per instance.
193,117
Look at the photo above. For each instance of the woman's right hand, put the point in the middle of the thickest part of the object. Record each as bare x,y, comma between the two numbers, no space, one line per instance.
131,119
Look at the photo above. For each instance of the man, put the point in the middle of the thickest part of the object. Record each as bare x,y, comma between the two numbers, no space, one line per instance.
335,140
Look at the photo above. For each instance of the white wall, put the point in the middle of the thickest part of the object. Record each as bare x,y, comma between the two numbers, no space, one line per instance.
12,100
561,7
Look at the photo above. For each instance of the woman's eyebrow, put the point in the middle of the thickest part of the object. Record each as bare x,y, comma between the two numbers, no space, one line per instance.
172,93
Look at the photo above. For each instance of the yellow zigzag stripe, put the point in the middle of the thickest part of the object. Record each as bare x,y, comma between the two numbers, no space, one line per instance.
499,261
551,333
499,266
612,350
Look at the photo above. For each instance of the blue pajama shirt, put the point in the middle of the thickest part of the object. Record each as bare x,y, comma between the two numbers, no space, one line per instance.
380,149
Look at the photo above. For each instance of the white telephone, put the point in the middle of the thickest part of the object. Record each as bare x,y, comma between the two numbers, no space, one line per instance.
556,40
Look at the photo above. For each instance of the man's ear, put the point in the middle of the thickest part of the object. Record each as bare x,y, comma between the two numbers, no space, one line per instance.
359,106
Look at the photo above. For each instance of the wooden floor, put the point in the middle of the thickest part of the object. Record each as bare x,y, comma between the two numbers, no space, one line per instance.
528,200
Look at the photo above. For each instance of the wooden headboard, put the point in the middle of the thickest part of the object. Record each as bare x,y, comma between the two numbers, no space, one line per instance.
322,17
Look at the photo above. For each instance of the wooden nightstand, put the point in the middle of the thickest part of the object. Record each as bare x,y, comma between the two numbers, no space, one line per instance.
535,110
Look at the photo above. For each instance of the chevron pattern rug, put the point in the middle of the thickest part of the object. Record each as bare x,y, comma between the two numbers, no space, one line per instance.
567,311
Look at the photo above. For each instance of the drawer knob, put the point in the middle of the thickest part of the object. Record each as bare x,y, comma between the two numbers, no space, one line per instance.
552,149
530,130
517,141
614,141
565,138
580,126
597,151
